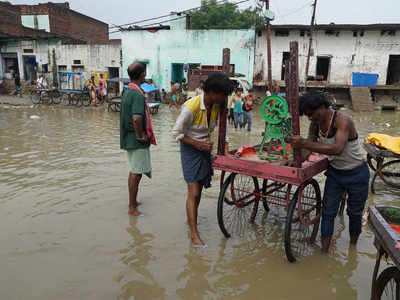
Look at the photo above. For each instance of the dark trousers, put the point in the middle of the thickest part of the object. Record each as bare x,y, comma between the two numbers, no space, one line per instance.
355,182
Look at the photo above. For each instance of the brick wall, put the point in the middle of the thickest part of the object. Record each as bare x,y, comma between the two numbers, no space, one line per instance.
67,22
10,19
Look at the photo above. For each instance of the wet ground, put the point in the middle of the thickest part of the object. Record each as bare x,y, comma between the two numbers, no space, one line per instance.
65,232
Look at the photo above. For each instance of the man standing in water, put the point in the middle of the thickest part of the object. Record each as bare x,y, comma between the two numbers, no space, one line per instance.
136,133
334,134
192,129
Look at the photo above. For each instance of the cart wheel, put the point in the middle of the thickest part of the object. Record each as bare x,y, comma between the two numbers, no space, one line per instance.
85,99
371,162
66,99
237,204
302,221
35,97
56,97
388,284
46,97
390,173
76,101
263,191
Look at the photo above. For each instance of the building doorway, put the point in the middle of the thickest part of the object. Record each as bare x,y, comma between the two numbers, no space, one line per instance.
30,68
177,73
393,73
285,59
323,67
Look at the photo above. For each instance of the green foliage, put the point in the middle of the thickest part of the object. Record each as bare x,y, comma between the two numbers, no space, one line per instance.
223,16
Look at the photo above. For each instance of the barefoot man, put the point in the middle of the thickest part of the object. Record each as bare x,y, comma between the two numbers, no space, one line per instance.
334,134
136,133
192,129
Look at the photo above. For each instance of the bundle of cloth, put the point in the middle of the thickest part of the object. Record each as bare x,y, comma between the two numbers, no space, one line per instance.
385,141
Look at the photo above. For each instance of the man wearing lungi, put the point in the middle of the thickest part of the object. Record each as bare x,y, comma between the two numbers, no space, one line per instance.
136,133
192,129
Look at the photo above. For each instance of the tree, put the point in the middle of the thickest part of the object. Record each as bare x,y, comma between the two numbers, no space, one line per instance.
224,16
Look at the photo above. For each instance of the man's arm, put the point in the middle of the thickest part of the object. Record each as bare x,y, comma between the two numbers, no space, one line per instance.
141,136
341,137
183,122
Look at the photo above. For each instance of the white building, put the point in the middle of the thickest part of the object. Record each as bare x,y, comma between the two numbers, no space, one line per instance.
338,51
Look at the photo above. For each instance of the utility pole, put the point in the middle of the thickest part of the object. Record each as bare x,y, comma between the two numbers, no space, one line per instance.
226,55
269,49
310,43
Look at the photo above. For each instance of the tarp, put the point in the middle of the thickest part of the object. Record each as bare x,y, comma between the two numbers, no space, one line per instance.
388,142
364,79
147,88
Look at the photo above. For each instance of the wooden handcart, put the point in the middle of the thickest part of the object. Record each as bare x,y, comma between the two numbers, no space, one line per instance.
254,182
380,219
385,164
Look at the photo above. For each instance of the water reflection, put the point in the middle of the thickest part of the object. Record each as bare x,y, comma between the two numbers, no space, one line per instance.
63,200
137,257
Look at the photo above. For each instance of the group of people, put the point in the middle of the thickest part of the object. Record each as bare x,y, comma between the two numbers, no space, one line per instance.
97,93
178,93
240,109
331,133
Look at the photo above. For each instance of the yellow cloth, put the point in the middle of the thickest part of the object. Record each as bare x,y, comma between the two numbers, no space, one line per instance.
388,142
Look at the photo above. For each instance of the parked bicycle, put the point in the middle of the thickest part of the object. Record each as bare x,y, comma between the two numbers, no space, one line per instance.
48,96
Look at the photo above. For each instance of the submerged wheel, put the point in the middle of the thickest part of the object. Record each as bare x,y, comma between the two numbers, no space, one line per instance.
66,99
237,204
56,97
302,220
390,173
35,97
371,162
388,284
85,99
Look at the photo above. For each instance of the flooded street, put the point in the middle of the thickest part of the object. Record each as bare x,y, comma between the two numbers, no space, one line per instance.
65,232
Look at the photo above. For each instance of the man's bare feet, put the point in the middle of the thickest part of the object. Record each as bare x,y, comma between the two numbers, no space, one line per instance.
134,212
196,240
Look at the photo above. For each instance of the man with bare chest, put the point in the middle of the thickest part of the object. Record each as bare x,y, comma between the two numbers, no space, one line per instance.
333,133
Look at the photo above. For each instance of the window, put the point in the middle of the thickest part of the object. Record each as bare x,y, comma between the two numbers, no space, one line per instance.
282,32
302,32
28,50
355,33
62,68
77,61
259,33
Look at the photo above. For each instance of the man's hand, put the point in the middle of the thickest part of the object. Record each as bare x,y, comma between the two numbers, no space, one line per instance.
143,139
204,146
297,141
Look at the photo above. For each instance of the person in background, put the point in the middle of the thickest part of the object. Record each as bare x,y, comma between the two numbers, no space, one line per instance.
163,95
92,91
17,81
238,109
268,93
192,129
199,90
174,98
40,82
184,89
334,133
248,110
231,104
102,88
136,133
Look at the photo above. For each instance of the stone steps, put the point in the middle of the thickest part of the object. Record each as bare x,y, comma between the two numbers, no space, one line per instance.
361,98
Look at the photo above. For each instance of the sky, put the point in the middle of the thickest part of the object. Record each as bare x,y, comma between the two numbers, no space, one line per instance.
286,11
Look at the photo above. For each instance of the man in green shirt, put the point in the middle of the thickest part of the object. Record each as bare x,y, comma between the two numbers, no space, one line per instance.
133,136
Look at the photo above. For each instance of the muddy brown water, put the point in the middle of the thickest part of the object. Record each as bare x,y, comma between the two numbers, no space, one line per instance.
65,232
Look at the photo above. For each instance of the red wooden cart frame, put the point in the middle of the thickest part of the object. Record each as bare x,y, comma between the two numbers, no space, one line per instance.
304,210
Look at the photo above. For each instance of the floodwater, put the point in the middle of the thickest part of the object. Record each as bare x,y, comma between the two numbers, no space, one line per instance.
65,232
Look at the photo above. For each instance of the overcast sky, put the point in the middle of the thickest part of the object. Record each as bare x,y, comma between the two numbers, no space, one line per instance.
287,11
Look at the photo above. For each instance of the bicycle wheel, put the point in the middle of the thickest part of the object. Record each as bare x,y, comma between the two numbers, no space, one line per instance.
56,97
237,204
35,97
390,173
388,284
371,162
66,99
46,97
78,100
85,99
302,221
